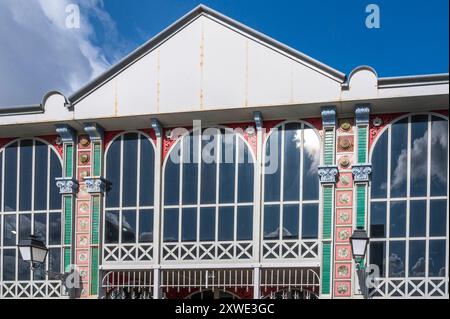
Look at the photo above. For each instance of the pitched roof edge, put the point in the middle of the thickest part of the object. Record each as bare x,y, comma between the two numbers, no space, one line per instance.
413,80
180,23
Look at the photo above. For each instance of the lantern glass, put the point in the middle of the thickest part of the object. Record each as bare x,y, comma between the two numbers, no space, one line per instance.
39,254
359,242
25,252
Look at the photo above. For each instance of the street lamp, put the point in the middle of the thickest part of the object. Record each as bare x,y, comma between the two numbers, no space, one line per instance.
33,251
359,241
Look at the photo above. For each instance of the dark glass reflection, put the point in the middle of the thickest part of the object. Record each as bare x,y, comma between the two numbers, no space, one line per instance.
417,258
438,217
9,264
11,177
245,223
397,259
171,220
147,173
310,221
439,156
208,167
437,253
9,230
40,176
26,172
417,218
291,221
40,226
227,168
378,219
291,174
189,224
113,173
399,157
190,169
129,187
271,222
129,226
397,223
54,261
379,167
24,226
226,223
172,177
54,230
207,224
377,253
23,269
146,226
55,171
419,155
245,173
112,227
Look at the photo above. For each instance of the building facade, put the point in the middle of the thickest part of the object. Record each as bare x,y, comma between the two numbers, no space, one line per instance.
114,178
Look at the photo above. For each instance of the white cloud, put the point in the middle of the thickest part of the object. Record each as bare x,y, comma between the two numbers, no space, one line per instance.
38,53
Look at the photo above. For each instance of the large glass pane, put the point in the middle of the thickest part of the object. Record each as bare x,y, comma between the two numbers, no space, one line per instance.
189,224
271,222
171,219
113,174
291,173
40,226
272,167
11,178
311,161
377,253
129,190
378,219
227,168
245,174
208,168
226,223
399,157
24,226
417,218
379,167
207,224
26,172
439,156
129,226
172,177
310,221
146,226
9,264
438,254
190,169
438,217
397,259
419,155
291,221
9,230
245,223
54,261
147,173
23,269
55,171
54,231
397,224
40,176
417,258
112,227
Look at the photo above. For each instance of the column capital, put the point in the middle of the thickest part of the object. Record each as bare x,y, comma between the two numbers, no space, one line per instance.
362,113
361,172
328,115
66,132
157,127
95,185
258,118
328,174
94,131
67,185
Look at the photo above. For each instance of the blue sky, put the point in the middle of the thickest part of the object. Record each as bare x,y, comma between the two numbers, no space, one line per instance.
38,53
413,38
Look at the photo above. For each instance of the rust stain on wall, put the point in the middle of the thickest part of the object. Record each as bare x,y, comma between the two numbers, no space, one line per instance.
158,83
246,74
116,103
202,61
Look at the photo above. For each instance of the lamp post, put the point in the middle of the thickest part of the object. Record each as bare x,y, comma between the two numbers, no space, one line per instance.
35,252
359,242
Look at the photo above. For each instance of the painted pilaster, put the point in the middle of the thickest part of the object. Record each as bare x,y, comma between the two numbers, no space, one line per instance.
157,127
68,187
327,176
361,170
257,116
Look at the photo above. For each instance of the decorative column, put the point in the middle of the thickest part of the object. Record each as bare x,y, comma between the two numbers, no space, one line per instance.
89,207
257,116
157,127
68,187
342,266
361,170
327,176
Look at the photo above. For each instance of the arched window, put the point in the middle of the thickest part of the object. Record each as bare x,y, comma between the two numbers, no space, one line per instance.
29,203
208,197
409,203
129,200
291,192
